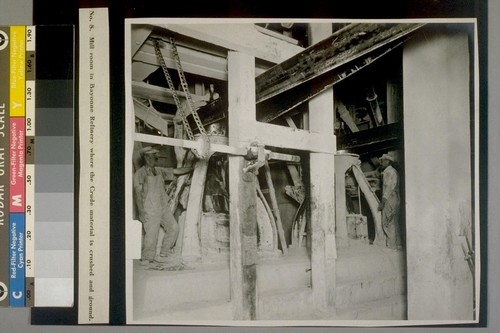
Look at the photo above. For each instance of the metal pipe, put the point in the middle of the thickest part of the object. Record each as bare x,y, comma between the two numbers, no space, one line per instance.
375,107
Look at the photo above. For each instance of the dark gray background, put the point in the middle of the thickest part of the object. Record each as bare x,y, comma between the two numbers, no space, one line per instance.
18,320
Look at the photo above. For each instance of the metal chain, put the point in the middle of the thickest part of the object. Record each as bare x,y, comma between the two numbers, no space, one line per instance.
185,88
163,65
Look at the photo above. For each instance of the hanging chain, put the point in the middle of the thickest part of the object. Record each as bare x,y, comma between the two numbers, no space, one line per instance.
163,65
185,88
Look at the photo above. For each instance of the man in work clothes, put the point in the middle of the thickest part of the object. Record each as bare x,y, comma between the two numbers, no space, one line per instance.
390,202
152,205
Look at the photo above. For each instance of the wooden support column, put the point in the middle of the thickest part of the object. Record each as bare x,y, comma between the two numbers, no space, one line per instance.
276,210
323,247
342,163
191,246
242,188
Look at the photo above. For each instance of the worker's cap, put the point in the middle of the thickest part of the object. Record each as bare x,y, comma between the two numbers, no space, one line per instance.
387,157
148,150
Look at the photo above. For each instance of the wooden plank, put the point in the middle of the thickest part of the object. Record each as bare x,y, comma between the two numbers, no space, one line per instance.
242,189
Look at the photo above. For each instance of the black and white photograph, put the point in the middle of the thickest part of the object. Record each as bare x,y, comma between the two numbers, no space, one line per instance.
302,172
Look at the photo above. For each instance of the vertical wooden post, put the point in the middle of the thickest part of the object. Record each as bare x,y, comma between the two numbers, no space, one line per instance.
276,210
342,163
242,188
323,248
191,246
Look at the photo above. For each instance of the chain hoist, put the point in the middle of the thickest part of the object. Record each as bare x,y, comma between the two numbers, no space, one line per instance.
256,154
184,86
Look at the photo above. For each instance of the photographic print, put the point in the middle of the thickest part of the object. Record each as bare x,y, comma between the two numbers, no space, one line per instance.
301,172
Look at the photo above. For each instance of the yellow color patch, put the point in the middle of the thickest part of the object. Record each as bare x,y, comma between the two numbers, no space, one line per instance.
17,71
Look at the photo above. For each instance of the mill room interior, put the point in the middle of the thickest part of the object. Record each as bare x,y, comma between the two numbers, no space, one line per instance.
272,136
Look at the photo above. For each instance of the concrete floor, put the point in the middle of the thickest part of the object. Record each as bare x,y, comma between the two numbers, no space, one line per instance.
371,284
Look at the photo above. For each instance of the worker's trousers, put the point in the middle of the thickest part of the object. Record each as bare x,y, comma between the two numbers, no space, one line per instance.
151,226
157,214
390,224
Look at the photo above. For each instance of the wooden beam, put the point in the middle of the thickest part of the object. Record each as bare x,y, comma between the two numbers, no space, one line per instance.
286,137
140,70
346,116
242,189
323,244
373,204
322,196
280,104
192,61
276,210
324,64
153,118
191,246
339,48
159,94
215,146
290,122
378,138
243,37
271,135
139,32
342,163
243,240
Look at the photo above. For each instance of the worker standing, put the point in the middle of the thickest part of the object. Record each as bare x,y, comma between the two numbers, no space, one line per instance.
390,204
153,208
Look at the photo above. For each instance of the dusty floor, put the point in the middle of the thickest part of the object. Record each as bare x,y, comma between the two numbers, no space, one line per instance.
178,290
